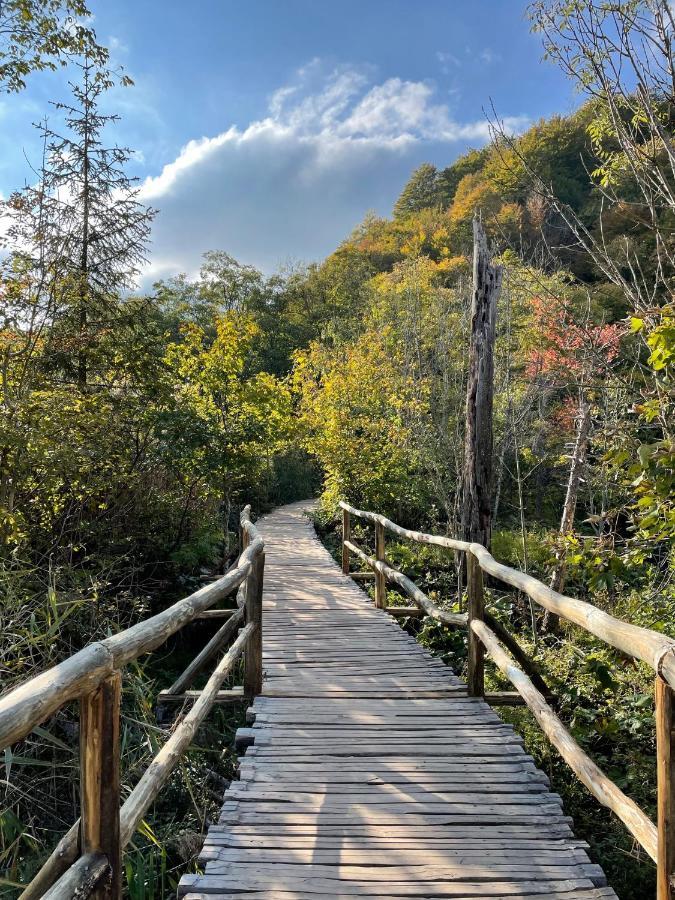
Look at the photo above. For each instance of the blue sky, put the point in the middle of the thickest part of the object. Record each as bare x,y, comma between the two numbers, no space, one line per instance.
269,128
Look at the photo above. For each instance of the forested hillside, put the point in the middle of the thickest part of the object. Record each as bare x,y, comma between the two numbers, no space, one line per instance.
133,427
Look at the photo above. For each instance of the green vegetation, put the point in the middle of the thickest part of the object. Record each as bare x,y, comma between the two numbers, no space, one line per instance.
132,428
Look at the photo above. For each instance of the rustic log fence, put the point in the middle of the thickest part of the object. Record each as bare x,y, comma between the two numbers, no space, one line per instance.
87,862
487,636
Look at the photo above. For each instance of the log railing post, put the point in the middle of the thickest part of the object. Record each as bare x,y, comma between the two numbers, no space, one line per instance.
380,583
253,669
476,610
346,536
100,781
665,758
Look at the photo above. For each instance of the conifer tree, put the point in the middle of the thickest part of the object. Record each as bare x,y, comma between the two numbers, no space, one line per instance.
421,192
86,226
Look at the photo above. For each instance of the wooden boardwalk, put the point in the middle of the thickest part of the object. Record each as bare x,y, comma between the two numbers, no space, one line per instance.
371,772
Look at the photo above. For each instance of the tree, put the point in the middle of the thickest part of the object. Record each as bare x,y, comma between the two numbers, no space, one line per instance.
357,410
42,34
477,482
468,164
421,192
82,228
226,423
622,55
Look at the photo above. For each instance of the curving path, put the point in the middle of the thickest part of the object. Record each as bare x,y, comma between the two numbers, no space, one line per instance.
371,772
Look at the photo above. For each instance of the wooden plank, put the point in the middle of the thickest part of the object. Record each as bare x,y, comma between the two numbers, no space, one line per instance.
372,771
233,695
237,880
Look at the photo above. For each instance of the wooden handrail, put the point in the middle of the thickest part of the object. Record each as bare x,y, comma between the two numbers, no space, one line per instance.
649,646
653,648
420,537
168,757
93,676
602,788
80,879
395,577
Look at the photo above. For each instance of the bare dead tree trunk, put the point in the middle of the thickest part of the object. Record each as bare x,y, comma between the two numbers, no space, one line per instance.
477,475
570,504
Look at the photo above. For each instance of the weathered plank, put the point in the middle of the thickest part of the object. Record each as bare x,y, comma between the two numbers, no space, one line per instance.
369,771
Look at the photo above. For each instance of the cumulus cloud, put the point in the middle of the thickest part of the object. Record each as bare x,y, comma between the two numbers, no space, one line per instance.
290,185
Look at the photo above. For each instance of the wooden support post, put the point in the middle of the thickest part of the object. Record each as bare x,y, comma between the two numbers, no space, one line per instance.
346,536
380,583
665,759
100,781
253,669
476,610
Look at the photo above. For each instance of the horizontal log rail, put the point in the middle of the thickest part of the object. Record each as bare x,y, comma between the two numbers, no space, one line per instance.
87,860
393,576
653,648
488,635
602,788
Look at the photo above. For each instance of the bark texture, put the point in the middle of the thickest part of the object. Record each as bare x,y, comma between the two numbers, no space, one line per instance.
477,476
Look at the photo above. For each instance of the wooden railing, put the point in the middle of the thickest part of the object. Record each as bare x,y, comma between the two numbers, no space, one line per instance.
487,635
88,860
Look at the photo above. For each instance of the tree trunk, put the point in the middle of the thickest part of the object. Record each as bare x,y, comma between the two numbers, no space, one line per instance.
83,287
570,504
477,476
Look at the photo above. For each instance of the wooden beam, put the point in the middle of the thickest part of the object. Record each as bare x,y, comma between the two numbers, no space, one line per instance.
234,695
159,770
100,781
400,612
34,701
217,642
665,759
602,788
60,859
410,588
217,614
476,612
510,698
253,668
380,582
652,647
81,880
346,536
527,664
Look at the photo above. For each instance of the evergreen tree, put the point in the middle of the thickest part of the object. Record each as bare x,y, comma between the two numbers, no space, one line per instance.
86,227
421,192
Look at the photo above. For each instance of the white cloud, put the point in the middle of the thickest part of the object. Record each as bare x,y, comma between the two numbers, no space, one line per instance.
447,60
292,184
489,56
116,45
